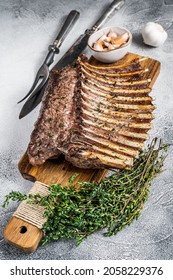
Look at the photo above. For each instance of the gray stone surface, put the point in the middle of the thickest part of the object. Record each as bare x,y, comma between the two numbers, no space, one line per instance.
27,28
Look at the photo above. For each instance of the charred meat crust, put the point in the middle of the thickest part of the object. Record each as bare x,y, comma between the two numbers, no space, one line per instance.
51,133
97,115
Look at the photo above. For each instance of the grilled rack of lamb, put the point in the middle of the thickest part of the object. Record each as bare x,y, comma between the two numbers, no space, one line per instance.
96,114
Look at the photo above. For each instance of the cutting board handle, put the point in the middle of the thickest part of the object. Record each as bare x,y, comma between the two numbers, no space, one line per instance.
22,235
20,232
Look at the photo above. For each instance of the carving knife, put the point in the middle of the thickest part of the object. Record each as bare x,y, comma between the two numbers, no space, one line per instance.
72,54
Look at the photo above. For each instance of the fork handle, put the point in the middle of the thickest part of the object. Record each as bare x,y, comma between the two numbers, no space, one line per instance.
54,48
68,24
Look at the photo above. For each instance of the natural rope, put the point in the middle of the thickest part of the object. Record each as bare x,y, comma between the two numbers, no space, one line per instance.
32,213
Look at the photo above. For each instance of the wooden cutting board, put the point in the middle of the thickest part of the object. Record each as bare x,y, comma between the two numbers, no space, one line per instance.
26,236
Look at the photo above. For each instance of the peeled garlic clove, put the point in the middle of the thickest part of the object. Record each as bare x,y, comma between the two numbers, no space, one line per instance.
107,39
153,34
106,44
103,38
121,39
98,46
112,34
111,47
115,46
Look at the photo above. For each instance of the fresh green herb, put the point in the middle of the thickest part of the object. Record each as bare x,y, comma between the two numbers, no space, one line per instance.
113,203
14,196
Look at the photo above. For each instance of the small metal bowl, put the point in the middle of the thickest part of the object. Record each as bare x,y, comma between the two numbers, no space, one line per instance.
109,56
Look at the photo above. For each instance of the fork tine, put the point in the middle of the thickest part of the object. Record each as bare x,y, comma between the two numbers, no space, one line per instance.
31,89
38,76
45,74
32,102
38,88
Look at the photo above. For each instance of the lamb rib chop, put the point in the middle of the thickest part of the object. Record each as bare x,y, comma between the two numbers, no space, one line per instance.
97,115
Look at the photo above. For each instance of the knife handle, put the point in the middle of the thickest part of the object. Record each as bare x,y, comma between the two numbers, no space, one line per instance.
114,6
68,24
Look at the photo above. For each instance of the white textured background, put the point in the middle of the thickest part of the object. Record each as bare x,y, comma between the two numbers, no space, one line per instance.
27,27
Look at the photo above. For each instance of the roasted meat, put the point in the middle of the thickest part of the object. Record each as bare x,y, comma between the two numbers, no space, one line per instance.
56,117
96,114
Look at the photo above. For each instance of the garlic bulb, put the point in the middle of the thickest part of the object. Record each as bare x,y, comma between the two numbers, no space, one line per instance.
153,34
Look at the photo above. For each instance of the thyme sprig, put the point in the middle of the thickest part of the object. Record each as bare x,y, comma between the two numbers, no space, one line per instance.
113,203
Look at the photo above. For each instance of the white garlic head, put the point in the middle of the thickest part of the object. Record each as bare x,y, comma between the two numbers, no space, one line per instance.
154,34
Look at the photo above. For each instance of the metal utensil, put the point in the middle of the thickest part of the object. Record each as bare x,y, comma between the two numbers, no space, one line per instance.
43,72
72,54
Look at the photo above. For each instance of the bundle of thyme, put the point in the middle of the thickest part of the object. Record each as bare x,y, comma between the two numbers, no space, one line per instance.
113,203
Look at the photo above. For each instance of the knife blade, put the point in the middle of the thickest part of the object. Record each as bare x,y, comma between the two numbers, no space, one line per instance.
72,54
